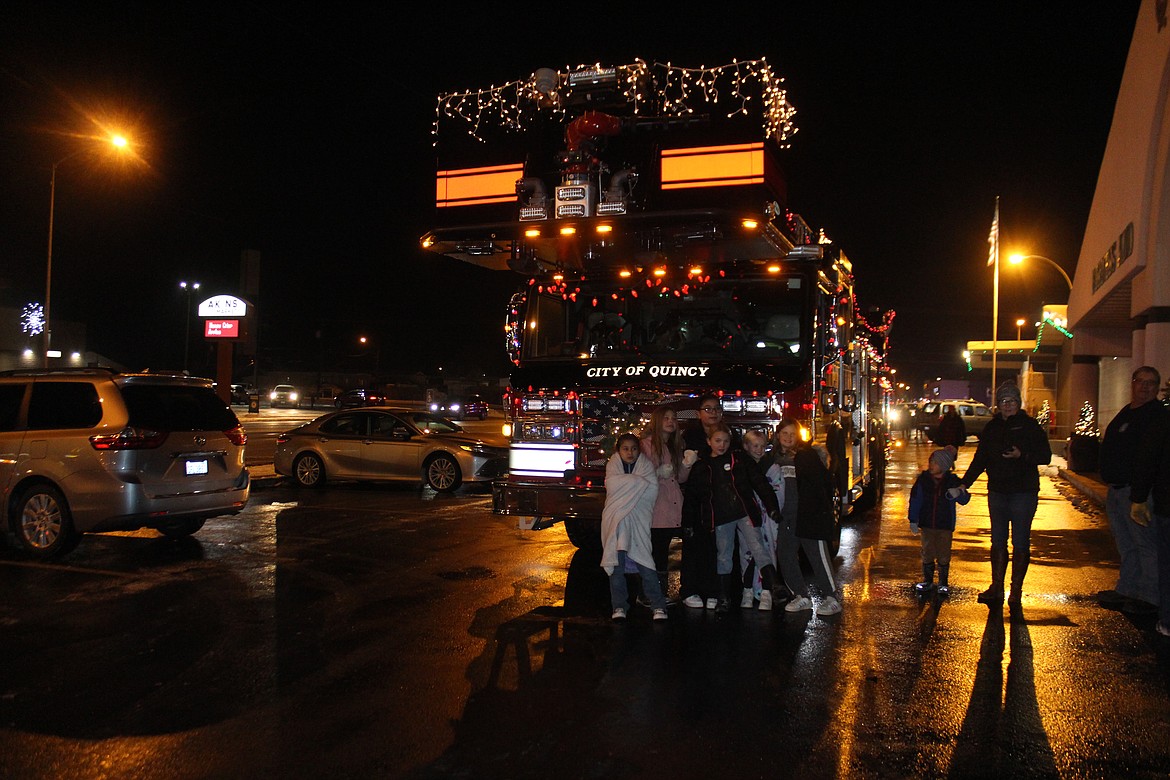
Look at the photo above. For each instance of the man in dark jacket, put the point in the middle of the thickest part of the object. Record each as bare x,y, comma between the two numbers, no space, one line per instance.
1137,546
1010,449
951,430
1150,494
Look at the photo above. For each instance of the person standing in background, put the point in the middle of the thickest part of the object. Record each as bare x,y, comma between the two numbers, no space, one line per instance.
1137,546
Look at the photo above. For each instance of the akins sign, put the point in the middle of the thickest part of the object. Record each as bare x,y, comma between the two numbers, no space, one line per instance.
226,318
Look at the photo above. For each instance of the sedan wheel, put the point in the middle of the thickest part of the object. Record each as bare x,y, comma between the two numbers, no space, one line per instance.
443,474
44,525
309,471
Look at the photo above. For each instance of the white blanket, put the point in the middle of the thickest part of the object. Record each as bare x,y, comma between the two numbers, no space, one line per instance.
625,520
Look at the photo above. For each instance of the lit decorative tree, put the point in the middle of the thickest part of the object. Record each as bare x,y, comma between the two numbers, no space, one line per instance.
1083,445
1087,422
1044,416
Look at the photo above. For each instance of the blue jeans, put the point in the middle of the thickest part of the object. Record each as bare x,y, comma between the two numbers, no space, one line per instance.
619,594
1014,510
1137,546
725,544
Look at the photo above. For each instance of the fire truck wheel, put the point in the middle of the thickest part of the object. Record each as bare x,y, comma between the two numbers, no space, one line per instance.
583,535
443,473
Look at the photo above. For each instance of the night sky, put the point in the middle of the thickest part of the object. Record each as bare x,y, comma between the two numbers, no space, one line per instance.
305,134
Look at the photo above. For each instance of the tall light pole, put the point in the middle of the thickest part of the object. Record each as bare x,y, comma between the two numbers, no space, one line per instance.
118,142
1017,259
1019,324
188,287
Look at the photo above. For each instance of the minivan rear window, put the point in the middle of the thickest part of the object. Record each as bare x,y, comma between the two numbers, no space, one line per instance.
177,408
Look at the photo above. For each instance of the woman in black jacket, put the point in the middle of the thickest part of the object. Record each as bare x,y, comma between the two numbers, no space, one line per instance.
1010,449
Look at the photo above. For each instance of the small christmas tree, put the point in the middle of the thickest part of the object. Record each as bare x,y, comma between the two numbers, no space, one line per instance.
1083,446
1044,416
1087,422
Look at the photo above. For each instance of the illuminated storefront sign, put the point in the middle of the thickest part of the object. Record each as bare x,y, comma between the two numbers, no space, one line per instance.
223,306
221,329
1116,255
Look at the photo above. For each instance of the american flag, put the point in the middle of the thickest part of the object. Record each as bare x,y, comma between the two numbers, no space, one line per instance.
993,236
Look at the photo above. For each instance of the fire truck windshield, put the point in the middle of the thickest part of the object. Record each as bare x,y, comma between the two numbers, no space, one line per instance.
723,318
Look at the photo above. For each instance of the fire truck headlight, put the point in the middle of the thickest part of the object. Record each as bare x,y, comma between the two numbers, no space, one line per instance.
506,430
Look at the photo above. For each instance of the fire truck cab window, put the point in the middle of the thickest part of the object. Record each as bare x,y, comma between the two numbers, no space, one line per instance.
733,319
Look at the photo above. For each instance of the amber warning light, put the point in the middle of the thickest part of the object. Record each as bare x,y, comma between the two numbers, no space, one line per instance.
221,329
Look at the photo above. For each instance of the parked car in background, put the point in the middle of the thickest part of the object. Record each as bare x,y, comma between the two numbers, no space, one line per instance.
284,395
242,393
974,415
359,397
93,450
385,444
473,406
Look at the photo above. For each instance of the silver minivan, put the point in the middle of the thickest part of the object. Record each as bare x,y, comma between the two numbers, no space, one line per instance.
974,415
93,450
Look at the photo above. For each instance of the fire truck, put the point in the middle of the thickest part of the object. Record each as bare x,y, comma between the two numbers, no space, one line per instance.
644,208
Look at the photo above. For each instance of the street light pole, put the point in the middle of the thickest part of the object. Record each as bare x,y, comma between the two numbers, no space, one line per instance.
188,287
117,141
1019,324
1017,259
49,262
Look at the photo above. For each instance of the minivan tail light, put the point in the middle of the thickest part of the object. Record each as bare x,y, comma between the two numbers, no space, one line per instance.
237,436
129,438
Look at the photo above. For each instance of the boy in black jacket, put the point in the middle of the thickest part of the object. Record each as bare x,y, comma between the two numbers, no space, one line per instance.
726,483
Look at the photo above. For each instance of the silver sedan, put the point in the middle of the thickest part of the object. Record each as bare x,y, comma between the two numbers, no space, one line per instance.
384,444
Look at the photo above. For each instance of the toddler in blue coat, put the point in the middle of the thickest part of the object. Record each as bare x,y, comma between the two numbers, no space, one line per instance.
933,502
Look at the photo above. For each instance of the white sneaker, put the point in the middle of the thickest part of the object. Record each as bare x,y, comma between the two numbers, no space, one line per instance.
765,601
828,606
694,600
748,600
1162,628
798,604
712,603
618,614
660,614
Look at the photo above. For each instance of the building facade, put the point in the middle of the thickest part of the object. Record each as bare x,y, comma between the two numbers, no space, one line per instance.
1119,308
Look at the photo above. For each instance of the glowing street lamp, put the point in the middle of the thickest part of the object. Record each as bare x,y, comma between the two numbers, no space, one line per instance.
118,142
1017,259
1019,324
188,287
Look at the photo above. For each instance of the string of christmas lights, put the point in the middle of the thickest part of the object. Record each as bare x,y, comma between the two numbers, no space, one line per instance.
658,89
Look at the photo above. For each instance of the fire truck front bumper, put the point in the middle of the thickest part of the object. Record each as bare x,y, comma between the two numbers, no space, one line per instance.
539,505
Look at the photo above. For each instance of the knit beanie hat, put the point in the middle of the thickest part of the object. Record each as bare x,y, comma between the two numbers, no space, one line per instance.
943,458
1008,390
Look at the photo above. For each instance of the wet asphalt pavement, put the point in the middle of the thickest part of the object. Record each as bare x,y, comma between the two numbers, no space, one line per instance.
366,631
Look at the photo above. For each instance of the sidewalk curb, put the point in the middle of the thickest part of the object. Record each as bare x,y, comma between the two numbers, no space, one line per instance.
1092,489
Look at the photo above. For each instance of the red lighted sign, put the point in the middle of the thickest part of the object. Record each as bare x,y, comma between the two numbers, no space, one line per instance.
221,329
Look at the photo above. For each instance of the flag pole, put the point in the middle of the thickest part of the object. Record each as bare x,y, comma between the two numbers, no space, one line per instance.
993,239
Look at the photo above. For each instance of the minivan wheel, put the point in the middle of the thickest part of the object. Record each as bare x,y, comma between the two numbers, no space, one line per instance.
43,524
443,474
309,471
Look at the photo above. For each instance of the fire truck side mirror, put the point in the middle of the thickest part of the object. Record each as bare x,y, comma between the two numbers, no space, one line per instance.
848,401
829,403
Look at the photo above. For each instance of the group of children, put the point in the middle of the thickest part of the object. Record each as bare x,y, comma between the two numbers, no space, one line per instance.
743,495
740,495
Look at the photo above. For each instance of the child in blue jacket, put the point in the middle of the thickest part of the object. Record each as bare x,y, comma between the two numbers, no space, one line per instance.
932,511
